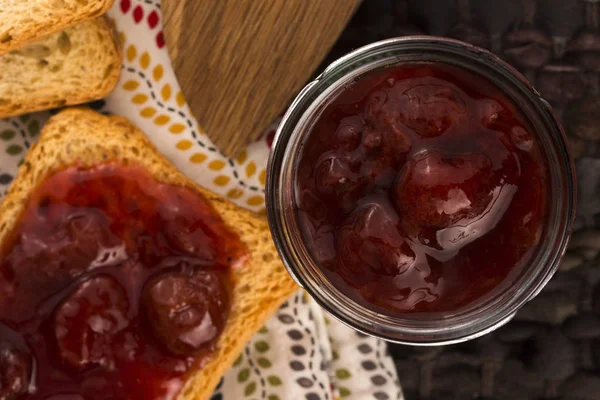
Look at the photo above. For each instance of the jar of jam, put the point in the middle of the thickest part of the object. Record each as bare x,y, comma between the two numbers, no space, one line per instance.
421,190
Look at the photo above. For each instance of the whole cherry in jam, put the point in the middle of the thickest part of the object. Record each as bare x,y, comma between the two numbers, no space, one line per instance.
337,177
370,243
186,308
428,106
449,201
114,286
420,188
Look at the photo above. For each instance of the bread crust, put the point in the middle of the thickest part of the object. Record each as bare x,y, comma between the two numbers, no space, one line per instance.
83,137
40,18
48,73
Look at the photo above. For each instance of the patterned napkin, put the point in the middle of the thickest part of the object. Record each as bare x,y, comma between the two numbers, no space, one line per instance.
301,353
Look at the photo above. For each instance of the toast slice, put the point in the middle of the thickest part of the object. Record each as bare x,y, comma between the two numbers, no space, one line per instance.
83,136
75,66
25,21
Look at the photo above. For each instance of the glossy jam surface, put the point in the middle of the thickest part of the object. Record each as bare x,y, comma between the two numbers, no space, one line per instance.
112,286
421,188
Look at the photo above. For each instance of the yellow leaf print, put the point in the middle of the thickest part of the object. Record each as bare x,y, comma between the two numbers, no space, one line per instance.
131,85
177,128
180,99
235,193
145,60
198,158
216,165
256,201
184,145
263,177
221,180
139,99
250,169
241,158
165,93
158,72
148,112
131,53
162,120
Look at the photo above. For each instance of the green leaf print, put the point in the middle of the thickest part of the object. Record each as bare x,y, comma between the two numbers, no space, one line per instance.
273,397
335,355
274,380
243,375
345,392
7,134
238,361
261,346
342,374
14,149
250,389
265,363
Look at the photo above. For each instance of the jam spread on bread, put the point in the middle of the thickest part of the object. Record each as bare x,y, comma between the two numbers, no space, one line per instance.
112,286
421,188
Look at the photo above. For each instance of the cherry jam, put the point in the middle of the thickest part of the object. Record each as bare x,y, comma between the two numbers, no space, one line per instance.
421,188
112,286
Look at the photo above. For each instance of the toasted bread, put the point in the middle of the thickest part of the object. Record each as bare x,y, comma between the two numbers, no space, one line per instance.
87,138
25,21
75,66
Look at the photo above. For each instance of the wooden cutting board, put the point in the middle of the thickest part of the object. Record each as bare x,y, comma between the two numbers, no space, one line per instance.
240,62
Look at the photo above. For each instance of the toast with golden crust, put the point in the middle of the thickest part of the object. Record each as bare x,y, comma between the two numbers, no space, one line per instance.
25,21
74,66
84,137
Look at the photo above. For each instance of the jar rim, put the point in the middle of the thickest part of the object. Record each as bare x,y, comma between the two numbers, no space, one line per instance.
287,146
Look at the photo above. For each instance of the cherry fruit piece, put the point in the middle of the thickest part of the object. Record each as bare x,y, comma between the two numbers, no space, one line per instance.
349,132
87,322
185,237
15,370
337,177
369,243
72,247
186,308
435,192
385,132
431,109
89,233
428,108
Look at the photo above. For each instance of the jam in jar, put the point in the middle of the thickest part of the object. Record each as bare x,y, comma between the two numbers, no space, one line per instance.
420,190
112,286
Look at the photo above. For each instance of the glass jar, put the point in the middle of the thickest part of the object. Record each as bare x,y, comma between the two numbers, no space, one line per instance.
419,329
